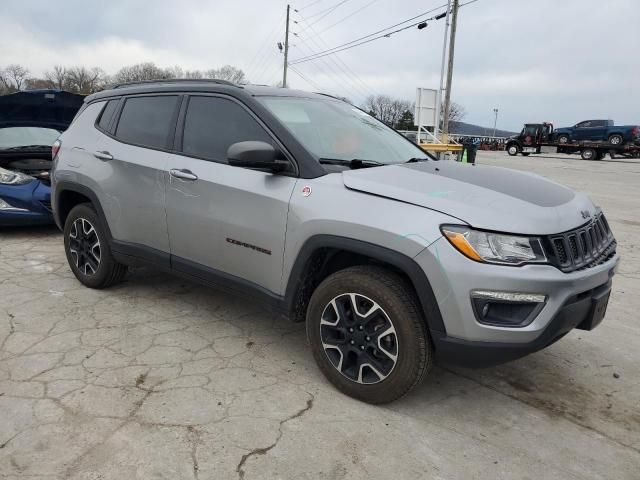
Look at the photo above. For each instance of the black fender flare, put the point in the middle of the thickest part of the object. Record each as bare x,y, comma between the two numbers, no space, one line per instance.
405,264
69,186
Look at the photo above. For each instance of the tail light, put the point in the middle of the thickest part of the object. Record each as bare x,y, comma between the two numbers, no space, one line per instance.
55,148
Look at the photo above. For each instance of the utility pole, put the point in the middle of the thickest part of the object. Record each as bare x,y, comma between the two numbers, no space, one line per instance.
444,58
452,46
286,52
495,121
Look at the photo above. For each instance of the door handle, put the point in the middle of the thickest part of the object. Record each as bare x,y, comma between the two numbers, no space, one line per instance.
103,155
183,174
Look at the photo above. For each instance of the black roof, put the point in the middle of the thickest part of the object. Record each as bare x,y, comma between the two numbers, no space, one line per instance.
201,85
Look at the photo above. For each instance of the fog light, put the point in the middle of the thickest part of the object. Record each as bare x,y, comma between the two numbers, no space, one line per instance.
4,205
506,309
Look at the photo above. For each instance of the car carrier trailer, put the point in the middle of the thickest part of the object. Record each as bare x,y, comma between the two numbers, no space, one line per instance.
534,136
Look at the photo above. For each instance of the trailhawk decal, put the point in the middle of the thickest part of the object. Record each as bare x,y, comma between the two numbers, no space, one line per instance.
248,245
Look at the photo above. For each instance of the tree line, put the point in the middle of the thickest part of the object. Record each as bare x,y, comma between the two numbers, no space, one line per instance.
395,112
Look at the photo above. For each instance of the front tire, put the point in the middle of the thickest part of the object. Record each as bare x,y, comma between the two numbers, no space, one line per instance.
367,334
87,249
589,154
563,139
513,150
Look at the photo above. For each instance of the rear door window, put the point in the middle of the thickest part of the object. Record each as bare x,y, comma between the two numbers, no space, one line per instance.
212,124
147,121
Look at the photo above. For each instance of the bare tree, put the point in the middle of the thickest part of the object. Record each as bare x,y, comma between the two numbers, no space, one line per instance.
456,112
228,72
13,77
58,77
37,83
85,81
386,109
142,71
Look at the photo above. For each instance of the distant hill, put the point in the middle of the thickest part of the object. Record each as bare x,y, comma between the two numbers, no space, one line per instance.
462,128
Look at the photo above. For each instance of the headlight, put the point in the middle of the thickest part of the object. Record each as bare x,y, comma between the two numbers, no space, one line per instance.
494,247
7,177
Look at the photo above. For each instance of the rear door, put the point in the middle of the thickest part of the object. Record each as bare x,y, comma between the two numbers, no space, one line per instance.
135,153
223,219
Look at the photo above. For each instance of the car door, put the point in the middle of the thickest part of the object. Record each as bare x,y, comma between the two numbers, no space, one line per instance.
582,131
224,220
135,156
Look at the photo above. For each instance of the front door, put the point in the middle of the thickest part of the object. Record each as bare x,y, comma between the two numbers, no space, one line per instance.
223,219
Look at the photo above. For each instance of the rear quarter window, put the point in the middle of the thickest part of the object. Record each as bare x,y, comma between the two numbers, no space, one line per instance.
107,114
147,121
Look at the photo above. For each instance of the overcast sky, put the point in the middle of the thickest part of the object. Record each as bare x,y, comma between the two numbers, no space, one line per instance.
543,60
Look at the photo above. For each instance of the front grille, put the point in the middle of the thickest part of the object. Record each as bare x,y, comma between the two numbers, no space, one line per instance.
585,247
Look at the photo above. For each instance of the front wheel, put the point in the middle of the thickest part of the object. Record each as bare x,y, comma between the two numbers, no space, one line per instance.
589,154
563,139
87,249
367,334
512,150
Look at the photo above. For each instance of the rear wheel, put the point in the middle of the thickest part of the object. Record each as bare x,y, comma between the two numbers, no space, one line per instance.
526,154
616,140
367,334
87,249
589,154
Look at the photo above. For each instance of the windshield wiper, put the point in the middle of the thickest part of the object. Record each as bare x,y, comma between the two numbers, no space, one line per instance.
28,147
353,164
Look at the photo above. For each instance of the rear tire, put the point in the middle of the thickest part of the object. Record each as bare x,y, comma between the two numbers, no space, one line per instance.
616,140
87,248
348,315
526,154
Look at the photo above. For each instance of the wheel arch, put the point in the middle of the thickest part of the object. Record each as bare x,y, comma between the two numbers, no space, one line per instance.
322,255
68,195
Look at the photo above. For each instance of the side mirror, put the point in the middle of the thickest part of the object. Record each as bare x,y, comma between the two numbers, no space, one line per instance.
258,155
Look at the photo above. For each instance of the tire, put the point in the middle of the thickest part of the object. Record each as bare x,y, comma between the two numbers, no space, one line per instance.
368,371
589,154
87,248
616,140
525,154
563,139
513,150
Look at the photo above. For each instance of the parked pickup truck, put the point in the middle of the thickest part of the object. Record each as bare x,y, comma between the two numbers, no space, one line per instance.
598,130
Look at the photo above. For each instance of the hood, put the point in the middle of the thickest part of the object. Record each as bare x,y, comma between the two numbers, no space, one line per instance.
490,198
39,108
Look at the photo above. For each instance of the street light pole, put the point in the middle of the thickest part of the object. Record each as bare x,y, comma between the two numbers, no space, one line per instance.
495,121
286,52
452,47
443,63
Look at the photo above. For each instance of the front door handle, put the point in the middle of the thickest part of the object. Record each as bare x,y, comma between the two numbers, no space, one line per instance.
183,174
103,155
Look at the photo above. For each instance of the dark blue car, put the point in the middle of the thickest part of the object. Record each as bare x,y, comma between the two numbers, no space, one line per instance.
30,123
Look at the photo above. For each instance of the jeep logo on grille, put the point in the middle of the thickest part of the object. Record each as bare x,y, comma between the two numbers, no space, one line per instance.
585,214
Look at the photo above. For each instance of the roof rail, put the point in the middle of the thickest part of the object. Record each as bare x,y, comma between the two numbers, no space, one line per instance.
175,80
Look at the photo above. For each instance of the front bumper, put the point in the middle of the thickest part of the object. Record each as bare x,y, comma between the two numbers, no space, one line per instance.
32,203
569,298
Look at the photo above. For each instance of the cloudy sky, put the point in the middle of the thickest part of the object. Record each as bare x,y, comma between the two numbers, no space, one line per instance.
543,60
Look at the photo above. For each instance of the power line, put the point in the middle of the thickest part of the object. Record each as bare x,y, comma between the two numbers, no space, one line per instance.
259,65
309,4
337,61
387,34
326,11
346,18
309,81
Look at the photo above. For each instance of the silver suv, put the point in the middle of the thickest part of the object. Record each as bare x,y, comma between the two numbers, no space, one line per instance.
328,216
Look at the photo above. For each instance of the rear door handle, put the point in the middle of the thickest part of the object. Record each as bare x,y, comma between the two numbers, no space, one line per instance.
183,174
103,155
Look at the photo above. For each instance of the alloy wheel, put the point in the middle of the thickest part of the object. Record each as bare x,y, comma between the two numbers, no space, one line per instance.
84,246
359,338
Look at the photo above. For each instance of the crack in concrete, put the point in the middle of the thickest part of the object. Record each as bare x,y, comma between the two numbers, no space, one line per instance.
265,450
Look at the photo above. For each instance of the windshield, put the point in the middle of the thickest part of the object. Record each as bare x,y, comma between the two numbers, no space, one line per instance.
331,129
12,137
